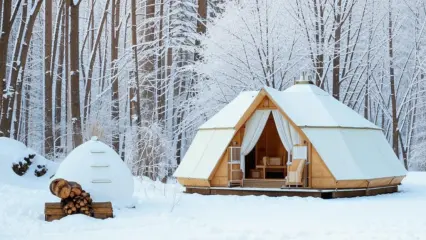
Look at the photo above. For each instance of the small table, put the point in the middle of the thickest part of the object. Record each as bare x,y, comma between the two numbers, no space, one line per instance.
263,167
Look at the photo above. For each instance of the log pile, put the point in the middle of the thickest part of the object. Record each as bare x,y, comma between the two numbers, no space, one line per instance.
74,200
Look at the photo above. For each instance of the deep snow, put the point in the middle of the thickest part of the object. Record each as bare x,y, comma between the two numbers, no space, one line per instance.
164,212
12,151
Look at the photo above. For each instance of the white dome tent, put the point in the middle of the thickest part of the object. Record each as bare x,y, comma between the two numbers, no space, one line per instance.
285,141
100,171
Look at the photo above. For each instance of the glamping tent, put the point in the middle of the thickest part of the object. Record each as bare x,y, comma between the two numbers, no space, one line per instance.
297,140
100,171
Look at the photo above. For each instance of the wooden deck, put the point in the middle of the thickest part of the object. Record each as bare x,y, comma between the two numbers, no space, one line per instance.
293,192
263,183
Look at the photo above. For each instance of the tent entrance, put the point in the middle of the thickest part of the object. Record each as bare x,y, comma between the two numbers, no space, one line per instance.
268,159
271,151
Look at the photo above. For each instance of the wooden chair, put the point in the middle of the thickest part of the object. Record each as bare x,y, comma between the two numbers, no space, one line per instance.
295,173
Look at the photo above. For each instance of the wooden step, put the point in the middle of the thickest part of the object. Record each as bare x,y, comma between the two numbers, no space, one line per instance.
264,183
235,183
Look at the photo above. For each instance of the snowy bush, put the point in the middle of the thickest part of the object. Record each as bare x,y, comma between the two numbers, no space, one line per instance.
40,171
22,167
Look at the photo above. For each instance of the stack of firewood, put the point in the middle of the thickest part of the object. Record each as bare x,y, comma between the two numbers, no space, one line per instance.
73,198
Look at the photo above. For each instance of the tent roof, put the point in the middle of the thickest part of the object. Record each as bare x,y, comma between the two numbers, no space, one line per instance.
355,154
351,146
309,106
229,116
204,153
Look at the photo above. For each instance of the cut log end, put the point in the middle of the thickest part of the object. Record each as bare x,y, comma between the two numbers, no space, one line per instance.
60,188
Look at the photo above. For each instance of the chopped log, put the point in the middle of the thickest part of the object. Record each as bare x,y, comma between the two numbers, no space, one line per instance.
76,188
99,210
53,183
74,184
60,188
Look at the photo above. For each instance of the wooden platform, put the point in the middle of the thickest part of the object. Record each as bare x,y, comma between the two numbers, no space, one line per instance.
263,183
101,210
293,192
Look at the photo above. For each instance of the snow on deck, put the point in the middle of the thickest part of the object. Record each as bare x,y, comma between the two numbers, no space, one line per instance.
164,212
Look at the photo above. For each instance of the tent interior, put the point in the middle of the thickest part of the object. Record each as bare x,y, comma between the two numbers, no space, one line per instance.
268,159
263,159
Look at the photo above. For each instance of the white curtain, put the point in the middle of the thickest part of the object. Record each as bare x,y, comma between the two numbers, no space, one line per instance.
300,152
283,130
254,128
288,135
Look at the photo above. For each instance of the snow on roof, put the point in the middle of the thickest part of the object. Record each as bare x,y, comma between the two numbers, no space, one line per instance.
204,153
309,106
229,116
352,154
100,171
351,146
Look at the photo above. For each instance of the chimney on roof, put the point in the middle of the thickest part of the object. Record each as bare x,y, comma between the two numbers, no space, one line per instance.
304,79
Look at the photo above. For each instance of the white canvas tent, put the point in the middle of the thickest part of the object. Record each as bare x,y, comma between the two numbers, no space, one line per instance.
344,145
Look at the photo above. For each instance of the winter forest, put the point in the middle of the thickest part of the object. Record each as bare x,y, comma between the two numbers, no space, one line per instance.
143,75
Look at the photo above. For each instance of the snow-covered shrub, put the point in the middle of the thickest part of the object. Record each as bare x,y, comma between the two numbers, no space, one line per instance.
22,167
40,171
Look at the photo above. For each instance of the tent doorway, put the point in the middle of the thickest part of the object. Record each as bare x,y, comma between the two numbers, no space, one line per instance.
268,158
250,162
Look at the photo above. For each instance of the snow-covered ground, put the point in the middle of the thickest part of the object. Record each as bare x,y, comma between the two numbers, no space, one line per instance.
164,212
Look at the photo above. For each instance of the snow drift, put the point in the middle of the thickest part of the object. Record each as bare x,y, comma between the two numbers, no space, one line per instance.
11,152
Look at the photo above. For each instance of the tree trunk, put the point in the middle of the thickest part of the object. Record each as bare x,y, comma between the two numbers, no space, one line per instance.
319,41
67,105
147,64
75,75
395,131
15,65
134,94
7,106
201,23
58,89
7,19
115,107
336,55
4,43
48,104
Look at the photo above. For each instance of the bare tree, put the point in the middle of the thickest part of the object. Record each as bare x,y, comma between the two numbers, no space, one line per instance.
115,107
48,83
7,19
15,85
134,93
395,132
75,117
